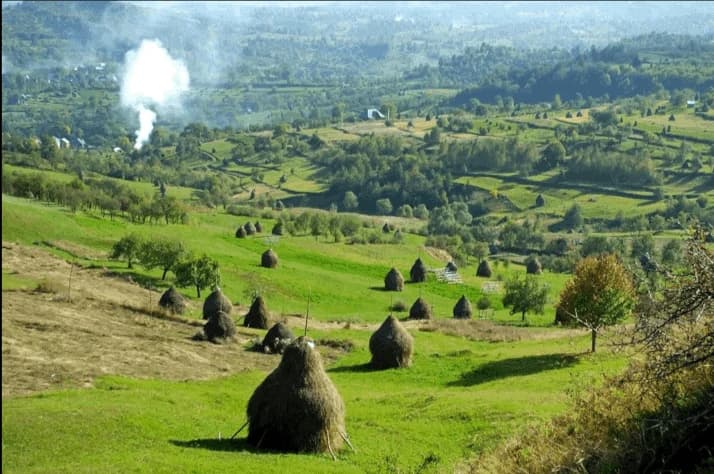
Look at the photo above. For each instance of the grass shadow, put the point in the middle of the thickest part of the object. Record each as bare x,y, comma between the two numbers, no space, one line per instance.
381,288
514,367
366,367
213,444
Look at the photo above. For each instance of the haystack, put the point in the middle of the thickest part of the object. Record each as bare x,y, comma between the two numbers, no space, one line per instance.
391,345
219,328
297,407
540,201
277,338
241,233
451,267
484,269
420,310
462,308
249,228
562,317
394,281
533,266
269,259
173,301
258,227
216,302
418,271
257,316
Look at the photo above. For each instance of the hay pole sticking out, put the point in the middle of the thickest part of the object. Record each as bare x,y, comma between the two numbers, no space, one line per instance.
347,440
307,313
329,446
240,429
69,284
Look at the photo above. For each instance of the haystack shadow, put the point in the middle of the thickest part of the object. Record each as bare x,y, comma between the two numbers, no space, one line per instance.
364,367
514,367
214,444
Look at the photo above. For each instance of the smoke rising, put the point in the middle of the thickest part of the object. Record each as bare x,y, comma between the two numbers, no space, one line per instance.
152,79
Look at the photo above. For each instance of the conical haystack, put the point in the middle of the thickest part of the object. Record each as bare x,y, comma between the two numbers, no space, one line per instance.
219,328
216,302
394,281
484,269
258,227
533,266
269,259
420,310
451,267
241,233
173,301
257,316
391,345
297,407
277,338
249,228
418,271
462,308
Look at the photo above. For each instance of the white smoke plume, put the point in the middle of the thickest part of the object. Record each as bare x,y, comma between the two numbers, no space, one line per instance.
152,78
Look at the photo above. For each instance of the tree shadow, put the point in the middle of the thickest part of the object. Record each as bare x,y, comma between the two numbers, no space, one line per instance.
514,367
213,444
366,367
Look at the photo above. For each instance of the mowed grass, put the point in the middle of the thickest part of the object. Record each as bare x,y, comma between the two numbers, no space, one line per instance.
344,282
458,399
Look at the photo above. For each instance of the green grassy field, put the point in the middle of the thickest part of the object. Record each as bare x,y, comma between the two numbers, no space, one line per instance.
458,399
355,272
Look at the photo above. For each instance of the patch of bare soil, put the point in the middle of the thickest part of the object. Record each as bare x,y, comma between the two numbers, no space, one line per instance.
107,327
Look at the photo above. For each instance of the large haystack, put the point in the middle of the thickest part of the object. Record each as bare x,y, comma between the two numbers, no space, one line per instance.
297,407
394,281
484,269
420,310
533,266
173,301
219,328
391,345
462,308
277,338
269,259
451,267
216,302
241,233
257,316
418,271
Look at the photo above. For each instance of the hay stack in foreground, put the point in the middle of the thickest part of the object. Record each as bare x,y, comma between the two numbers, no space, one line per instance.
462,309
484,269
269,259
420,310
216,302
297,407
391,345
394,281
257,316
173,301
418,271
277,338
219,328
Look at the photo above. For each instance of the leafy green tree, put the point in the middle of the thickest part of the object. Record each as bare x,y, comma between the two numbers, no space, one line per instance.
128,248
384,206
350,201
573,217
600,294
524,295
643,244
199,272
161,253
672,253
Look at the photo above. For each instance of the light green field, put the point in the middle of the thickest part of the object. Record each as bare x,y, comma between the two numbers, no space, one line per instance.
355,272
459,398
